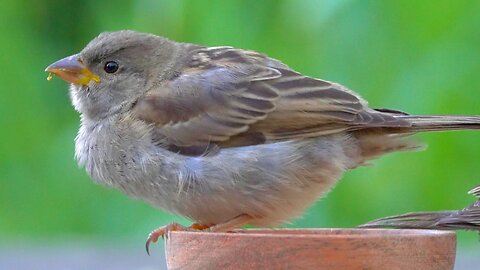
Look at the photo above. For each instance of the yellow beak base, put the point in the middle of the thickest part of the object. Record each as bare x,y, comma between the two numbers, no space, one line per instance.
71,69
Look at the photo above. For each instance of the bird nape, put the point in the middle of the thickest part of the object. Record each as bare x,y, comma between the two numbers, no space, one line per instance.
220,135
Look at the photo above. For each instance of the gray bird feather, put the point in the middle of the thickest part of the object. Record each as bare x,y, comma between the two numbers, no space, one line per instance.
465,219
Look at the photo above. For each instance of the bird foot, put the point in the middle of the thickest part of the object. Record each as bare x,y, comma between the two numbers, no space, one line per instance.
229,225
163,232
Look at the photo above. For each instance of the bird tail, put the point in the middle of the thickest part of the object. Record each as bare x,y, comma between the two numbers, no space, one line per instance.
423,123
465,219
417,220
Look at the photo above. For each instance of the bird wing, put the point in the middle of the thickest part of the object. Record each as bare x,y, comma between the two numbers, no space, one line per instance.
231,97
310,107
475,191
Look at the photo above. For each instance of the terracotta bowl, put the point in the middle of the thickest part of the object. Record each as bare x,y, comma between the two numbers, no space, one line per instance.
312,249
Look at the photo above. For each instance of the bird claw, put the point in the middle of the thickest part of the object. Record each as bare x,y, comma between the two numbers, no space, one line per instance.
223,227
164,230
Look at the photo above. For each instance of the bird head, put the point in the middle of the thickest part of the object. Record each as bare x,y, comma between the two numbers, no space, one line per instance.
113,71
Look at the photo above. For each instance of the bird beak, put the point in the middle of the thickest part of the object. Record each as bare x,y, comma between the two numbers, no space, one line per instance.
73,70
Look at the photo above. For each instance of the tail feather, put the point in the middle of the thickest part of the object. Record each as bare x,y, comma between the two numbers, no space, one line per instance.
441,220
423,220
465,219
423,123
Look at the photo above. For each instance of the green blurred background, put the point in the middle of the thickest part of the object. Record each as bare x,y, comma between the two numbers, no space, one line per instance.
422,57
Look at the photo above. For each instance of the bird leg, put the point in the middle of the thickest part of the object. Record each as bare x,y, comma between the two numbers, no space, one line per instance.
229,225
163,231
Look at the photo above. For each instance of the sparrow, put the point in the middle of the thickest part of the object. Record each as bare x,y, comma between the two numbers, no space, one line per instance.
465,219
220,135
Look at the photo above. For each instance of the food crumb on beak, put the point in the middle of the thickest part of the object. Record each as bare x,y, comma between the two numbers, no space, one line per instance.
50,77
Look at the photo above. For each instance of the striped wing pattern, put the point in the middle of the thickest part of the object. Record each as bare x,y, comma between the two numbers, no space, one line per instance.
229,97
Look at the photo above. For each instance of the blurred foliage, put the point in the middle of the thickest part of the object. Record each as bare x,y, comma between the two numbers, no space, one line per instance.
417,56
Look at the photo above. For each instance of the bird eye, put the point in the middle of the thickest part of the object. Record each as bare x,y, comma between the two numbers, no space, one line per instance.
111,67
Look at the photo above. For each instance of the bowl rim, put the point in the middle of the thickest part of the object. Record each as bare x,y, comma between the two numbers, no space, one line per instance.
323,233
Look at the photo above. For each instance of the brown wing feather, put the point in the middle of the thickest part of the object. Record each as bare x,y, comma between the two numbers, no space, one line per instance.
211,100
309,107
234,97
